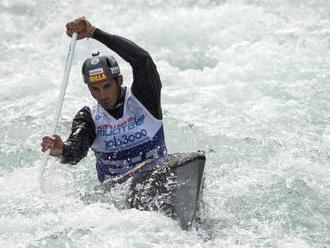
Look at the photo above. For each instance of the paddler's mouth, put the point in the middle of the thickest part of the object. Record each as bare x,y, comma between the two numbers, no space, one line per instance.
107,104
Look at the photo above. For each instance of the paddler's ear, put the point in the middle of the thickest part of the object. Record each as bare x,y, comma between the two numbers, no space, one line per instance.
120,79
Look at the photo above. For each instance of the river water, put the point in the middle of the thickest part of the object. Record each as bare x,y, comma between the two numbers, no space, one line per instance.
247,81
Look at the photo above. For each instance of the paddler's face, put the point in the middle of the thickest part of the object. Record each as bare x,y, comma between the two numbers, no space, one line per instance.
106,93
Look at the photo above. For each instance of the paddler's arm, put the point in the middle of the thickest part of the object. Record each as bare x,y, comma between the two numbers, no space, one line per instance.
146,85
81,138
76,146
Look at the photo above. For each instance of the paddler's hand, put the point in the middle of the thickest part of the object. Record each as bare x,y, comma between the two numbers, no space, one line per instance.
81,26
54,143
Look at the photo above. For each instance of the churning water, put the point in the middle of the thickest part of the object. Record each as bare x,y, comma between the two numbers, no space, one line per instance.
246,81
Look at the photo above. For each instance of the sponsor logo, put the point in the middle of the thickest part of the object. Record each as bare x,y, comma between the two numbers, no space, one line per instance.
123,140
110,126
125,126
139,121
95,61
97,78
96,71
114,70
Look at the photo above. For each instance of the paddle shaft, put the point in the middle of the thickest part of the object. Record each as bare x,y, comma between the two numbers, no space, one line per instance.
60,101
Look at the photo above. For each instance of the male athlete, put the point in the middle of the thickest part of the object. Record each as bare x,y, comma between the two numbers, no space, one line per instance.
124,128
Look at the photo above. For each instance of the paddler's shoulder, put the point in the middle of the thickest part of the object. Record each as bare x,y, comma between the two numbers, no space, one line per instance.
84,114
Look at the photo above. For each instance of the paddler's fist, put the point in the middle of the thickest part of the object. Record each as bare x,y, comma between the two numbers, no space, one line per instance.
54,143
81,26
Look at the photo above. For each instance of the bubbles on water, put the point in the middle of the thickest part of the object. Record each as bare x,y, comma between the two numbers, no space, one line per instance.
246,81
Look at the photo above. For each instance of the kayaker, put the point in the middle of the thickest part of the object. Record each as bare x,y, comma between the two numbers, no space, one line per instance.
124,127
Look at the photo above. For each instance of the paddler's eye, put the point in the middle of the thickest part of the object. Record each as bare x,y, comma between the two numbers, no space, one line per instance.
107,86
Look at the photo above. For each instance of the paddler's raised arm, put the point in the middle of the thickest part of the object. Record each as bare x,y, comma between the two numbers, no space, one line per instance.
146,81
146,85
125,48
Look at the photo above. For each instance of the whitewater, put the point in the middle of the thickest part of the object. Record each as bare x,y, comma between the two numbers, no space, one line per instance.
246,81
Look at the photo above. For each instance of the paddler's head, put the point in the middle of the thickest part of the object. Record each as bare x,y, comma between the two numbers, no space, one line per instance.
102,75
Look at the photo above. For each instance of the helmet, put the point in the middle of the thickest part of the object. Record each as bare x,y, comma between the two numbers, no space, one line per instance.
99,69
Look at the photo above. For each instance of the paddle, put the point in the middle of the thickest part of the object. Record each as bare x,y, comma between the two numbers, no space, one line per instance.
107,184
59,104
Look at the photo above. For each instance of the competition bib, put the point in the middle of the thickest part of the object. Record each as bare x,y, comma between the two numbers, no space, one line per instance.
122,143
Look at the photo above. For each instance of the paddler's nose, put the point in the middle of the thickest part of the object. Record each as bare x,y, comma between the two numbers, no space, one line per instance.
103,95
